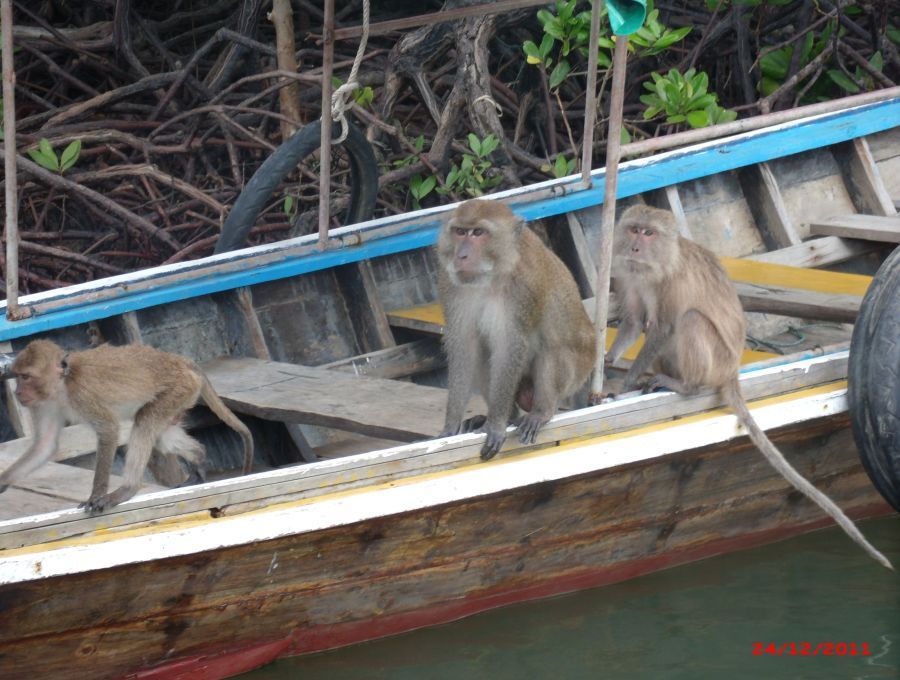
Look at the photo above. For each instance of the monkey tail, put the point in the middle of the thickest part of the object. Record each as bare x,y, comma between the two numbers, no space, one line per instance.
732,394
217,406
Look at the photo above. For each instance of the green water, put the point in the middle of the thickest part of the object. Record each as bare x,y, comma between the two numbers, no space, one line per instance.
699,620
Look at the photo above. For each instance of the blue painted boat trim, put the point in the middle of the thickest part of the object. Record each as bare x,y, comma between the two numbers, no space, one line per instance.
205,276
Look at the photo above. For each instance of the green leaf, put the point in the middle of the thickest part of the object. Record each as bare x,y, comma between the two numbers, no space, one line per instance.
893,33
45,156
488,144
70,155
624,138
474,143
559,73
698,119
288,205
560,166
775,64
842,81
877,62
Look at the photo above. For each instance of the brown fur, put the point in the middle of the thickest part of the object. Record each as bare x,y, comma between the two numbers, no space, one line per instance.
102,386
678,294
515,323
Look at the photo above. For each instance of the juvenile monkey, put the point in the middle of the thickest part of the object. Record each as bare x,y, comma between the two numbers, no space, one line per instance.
680,296
515,324
102,386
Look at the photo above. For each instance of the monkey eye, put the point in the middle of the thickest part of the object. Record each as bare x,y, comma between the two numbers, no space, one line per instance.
477,231
460,231
649,232
634,229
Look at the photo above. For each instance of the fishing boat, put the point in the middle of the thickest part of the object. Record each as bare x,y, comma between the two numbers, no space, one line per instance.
357,522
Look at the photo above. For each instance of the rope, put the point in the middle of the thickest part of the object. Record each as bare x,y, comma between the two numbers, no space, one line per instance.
341,97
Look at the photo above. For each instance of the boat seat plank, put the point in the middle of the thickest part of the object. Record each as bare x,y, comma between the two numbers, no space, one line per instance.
868,227
762,287
430,319
375,407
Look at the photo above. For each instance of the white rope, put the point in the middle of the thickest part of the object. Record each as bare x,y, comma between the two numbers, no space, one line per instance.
341,97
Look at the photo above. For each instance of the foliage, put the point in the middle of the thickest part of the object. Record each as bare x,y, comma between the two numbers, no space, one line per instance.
569,32
419,187
46,157
684,98
475,175
775,65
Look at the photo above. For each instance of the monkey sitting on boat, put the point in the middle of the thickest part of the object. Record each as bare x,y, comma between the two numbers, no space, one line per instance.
102,386
677,293
515,324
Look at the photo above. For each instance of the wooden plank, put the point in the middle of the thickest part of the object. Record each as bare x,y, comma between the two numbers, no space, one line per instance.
357,286
15,502
869,227
402,361
586,274
431,317
67,482
668,198
423,318
799,303
780,276
816,252
861,174
767,205
388,409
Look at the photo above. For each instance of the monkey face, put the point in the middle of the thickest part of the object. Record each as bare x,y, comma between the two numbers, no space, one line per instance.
641,242
38,371
470,262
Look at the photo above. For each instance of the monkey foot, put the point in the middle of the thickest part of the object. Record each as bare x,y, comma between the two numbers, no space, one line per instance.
473,424
492,444
96,505
529,426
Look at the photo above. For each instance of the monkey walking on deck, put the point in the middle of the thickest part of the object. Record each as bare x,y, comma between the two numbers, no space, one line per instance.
102,386
678,294
515,324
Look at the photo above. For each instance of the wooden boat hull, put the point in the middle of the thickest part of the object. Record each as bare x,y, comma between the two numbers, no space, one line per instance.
216,613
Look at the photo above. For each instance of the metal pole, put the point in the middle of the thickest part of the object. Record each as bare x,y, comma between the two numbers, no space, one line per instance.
325,139
604,265
590,100
9,151
756,122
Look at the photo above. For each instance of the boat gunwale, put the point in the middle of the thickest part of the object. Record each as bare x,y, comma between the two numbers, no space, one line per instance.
449,455
596,455
393,234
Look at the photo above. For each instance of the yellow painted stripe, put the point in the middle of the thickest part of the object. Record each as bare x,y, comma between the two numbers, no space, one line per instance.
427,313
802,278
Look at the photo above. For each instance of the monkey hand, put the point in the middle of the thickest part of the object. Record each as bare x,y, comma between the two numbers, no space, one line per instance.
493,442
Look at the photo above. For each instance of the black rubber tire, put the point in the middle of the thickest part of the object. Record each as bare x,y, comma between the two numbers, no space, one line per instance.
874,377
258,192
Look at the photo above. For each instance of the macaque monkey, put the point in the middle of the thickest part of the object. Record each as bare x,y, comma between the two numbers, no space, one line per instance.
515,324
680,296
102,386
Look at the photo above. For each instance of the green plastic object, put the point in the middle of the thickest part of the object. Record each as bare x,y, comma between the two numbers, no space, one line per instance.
626,16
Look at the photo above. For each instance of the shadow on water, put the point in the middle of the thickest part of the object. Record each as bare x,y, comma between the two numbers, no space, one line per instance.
699,620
